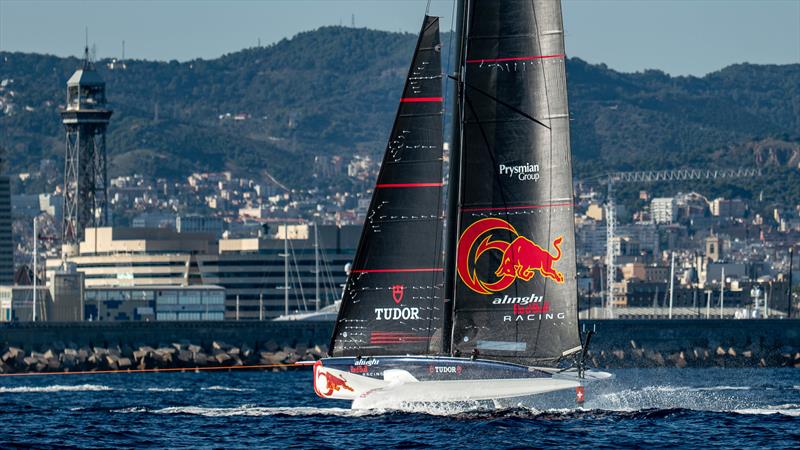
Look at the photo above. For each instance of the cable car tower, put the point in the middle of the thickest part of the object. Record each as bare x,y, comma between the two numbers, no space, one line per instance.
85,120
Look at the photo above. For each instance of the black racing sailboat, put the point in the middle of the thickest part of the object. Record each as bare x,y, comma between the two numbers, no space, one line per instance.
482,305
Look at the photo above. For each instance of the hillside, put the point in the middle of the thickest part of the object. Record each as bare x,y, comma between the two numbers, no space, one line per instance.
334,91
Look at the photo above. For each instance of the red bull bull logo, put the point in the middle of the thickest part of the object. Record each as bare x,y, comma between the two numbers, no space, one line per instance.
521,258
333,383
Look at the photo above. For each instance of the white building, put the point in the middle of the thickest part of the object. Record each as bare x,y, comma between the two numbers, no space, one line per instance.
251,271
663,210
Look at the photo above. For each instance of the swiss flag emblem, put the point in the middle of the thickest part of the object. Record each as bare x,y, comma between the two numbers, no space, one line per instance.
397,293
579,394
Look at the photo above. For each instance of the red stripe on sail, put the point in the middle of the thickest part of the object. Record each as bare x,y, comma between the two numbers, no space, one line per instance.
383,340
511,208
432,269
407,185
516,58
421,99
395,334
398,340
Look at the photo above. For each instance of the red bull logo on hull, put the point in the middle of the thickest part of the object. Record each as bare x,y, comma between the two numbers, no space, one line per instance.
327,384
521,258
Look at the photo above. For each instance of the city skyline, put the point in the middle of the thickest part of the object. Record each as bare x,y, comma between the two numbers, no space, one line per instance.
680,38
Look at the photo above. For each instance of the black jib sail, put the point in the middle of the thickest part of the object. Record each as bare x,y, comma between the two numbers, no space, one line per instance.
515,287
392,302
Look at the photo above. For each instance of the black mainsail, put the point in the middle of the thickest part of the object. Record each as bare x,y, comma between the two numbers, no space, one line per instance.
392,303
503,313
515,289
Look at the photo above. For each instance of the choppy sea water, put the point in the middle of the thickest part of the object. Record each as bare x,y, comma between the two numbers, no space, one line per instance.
724,408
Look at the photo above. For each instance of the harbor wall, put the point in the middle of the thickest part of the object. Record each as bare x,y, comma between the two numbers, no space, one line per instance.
617,343
32,336
695,343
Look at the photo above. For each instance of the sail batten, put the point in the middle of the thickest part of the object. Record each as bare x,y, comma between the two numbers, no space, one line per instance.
392,300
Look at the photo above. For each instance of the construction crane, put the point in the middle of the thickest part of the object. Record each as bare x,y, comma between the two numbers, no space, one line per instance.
651,176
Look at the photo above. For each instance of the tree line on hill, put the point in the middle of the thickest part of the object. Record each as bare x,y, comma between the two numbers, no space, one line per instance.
334,91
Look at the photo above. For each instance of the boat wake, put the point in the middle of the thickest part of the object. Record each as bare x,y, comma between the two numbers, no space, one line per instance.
226,388
455,411
253,411
647,400
789,409
710,398
700,389
54,388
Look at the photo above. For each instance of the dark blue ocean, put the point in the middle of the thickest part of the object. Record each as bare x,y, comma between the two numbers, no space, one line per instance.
722,408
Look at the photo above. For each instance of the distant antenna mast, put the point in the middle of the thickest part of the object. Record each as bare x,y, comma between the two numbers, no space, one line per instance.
123,50
352,20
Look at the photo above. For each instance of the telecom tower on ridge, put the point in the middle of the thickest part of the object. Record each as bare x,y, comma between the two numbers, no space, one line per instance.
85,119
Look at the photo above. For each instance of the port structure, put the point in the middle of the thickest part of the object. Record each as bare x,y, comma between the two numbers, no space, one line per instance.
85,120
651,176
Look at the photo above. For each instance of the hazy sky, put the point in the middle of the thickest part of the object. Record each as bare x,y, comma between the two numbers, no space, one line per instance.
677,36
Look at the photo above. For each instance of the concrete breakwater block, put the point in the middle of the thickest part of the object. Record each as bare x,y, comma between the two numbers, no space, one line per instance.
719,356
69,358
61,357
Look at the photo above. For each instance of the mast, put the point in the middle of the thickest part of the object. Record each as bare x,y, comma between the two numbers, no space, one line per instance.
35,274
671,283
285,270
316,266
453,198
791,260
722,294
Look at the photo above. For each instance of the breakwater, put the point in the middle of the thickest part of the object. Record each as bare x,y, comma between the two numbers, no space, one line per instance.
695,343
59,347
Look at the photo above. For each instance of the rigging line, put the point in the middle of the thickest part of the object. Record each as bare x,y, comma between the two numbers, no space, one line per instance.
330,285
169,369
299,280
323,275
507,105
449,60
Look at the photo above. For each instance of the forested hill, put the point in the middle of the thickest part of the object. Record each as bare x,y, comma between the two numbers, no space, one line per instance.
334,91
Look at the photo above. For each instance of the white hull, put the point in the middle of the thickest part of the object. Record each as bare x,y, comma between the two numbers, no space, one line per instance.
458,391
399,386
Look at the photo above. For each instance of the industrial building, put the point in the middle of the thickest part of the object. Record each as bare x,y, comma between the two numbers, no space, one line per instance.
150,303
16,303
253,272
